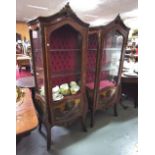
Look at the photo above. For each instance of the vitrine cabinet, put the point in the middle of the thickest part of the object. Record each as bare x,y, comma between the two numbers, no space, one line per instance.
106,46
59,47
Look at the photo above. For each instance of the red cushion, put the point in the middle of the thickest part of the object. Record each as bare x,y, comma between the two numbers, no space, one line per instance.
103,84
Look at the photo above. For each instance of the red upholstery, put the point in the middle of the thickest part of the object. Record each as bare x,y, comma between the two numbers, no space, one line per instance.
64,38
64,56
91,63
103,84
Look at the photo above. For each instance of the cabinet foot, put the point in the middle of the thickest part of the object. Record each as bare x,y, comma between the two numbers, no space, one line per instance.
83,124
115,110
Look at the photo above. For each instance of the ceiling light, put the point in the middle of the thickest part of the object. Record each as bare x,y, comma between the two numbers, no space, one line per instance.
37,7
84,5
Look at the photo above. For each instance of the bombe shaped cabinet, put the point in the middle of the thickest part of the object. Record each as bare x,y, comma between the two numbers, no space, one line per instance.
59,47
106,47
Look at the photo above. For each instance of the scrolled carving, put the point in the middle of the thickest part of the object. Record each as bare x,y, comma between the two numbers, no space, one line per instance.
67,10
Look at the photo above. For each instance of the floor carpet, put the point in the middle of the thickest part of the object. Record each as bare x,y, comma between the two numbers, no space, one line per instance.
23,73
110,136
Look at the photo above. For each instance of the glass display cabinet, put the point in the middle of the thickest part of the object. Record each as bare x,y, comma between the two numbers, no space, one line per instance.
59,47
103,88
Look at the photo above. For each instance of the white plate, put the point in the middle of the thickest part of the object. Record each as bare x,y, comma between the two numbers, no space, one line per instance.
59,97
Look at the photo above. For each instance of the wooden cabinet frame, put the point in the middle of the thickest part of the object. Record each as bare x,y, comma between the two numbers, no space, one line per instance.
94,94
46,28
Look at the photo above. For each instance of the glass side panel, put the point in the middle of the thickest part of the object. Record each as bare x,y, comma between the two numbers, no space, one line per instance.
111,55
38,60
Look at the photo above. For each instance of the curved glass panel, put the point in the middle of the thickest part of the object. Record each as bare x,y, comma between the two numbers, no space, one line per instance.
111,55
110,65
38,60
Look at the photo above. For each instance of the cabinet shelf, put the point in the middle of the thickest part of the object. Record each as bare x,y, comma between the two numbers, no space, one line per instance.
112,49
67,97
64,50
59,102
64,74
92,49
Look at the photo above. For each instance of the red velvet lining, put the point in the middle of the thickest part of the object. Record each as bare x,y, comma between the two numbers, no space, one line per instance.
103,84
65,55
91,62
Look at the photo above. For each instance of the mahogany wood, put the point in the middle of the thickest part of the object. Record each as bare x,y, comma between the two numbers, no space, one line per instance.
112,96
44,47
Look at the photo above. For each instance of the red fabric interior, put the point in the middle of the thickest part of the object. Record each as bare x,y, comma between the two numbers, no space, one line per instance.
103,84
65,55
91,63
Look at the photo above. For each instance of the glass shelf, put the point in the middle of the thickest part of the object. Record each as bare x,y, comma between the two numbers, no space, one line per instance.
67,97
64,74
112,49
64,50
92,49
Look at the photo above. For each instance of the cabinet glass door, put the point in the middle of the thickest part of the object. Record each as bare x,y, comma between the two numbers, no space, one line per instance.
110,64
65,65
111,57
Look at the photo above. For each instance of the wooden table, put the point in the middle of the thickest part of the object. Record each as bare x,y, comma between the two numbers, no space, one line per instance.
23,61
26,116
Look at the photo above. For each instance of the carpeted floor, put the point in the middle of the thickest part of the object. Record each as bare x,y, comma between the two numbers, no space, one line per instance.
23,73
110,136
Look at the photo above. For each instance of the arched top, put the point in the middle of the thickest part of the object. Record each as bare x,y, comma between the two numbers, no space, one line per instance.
118,21
61,30
65,12
67,22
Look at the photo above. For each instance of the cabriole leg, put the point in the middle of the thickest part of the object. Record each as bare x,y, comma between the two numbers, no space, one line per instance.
115,110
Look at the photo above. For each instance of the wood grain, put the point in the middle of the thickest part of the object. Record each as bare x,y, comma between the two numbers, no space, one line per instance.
26,116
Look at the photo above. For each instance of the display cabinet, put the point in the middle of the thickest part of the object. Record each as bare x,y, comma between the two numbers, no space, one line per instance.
59,48
105,66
